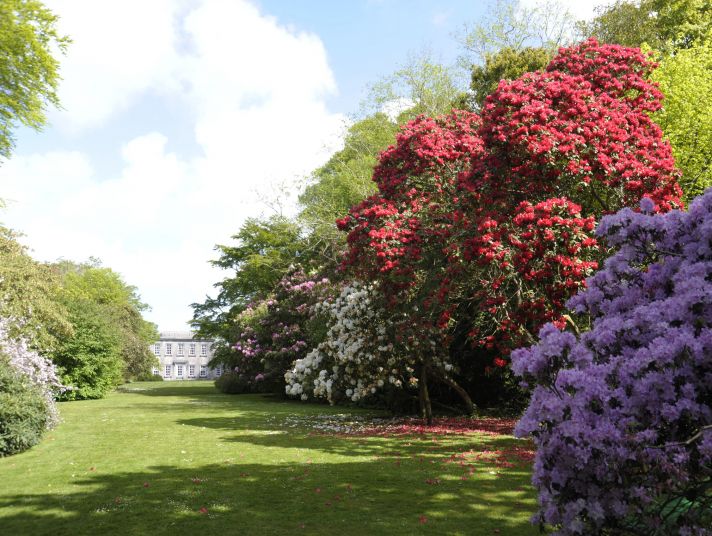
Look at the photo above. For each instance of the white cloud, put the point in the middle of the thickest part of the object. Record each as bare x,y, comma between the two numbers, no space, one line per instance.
115,56
255,91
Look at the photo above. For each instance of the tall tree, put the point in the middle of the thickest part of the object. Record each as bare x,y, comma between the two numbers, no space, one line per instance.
505,64
29,73
29,296
422,85
665,25
262,255
342,182
685,79
510,25
104,293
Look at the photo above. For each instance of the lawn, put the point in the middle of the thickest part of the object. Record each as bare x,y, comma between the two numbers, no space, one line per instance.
181,458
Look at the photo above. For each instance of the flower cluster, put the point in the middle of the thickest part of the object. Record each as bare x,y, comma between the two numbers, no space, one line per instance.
37,369
484,224
361,353
275,332
580,129
537,259
622,414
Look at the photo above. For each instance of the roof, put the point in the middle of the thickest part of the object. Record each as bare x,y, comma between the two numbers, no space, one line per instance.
180,336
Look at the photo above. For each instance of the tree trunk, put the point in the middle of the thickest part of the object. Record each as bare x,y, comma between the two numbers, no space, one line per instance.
461,392
426,409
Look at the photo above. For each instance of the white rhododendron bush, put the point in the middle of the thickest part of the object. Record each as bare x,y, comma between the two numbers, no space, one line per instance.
364,350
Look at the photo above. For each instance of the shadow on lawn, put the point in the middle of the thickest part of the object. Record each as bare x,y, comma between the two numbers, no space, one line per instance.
229,498
274,433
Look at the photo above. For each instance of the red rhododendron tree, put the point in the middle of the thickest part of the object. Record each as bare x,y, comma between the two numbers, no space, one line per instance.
487,221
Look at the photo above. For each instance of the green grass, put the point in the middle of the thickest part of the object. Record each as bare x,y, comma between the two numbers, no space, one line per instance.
150,456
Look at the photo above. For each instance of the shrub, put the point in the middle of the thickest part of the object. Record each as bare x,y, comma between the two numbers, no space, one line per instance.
233,383
38,370
24,415
622,414
149,377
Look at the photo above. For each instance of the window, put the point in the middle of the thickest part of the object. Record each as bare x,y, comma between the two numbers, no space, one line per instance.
179,371
191,349
157,349
180,348
218,371
203,349
169,348
167,373
191,371
156,372
203,371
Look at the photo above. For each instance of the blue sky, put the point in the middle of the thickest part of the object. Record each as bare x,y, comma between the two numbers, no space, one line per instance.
182,116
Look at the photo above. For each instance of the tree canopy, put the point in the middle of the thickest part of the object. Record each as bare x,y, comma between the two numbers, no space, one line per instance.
29,72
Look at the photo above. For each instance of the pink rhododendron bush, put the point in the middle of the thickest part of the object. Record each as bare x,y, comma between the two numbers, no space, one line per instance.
29,384
271,333
622,413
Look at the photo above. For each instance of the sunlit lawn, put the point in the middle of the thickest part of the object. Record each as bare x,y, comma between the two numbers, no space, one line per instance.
180,458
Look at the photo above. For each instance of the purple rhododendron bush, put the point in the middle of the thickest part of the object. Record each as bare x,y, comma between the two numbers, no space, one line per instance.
622,413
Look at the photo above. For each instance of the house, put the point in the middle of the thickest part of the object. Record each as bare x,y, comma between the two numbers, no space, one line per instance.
184,357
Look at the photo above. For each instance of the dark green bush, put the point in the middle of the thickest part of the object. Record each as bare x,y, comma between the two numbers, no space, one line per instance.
23,411
233,384
148,377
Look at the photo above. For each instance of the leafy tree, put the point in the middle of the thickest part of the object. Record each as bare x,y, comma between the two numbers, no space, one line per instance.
89,362
421,86
342,182
686,116
509,25
29,296
511,40
665,25
505,64
28,71
119,305
264,252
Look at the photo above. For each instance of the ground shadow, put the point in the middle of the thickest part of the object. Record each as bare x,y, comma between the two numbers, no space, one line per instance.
351,498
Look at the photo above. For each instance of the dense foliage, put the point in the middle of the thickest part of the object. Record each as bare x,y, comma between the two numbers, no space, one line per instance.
29,384
29,73
110,334
485,222
24,415
271,334
686,116
622,414
90,360
28,296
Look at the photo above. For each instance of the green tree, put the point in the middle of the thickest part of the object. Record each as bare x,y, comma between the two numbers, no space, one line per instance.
344,181
509,25
120,307
505,64
665,25
420,86
90,361
264,251
686,116
509,41
29,296
29,73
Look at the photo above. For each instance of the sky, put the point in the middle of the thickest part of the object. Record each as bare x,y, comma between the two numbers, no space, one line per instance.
182,118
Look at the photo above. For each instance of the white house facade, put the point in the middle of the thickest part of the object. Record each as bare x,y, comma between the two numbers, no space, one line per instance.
184,357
